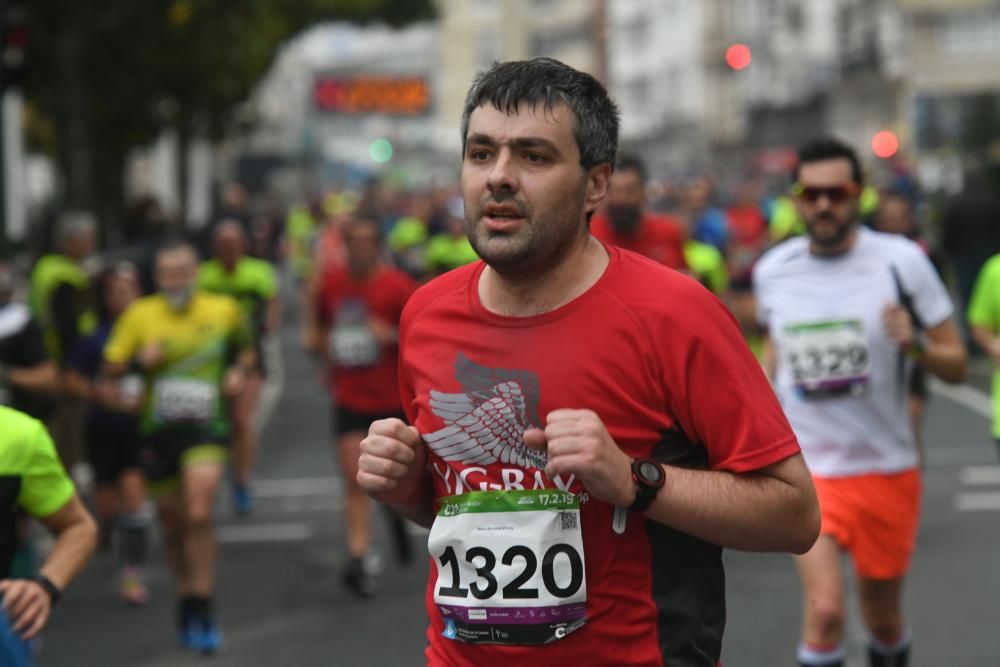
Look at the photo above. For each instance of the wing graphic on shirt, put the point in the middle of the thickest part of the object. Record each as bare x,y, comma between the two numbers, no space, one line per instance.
486,424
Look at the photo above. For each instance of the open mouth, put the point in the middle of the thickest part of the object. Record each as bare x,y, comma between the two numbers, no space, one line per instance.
501,218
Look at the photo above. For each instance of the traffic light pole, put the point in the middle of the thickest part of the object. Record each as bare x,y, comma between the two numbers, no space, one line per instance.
12,160
13,49
4,243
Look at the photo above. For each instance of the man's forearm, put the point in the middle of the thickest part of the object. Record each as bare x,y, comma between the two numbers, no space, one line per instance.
113,371
43,378
750,512
944,360
73,547
246,359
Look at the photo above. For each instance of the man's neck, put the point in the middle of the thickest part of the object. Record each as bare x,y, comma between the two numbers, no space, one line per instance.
535,294
362,271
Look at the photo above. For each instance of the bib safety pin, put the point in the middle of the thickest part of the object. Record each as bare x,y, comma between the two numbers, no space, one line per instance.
619,519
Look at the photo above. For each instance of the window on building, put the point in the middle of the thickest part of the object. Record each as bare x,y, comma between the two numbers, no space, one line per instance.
487,9
971,34
546,42
487,47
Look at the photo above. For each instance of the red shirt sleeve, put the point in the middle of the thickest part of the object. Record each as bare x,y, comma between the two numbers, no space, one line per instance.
322,299
406,392
405,287
717,390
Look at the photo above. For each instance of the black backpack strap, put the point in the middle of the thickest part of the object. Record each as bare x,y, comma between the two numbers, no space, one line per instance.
906,301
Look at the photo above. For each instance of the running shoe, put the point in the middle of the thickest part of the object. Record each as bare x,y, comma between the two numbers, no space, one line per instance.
133,587
209,638
242,500
358,580
201,634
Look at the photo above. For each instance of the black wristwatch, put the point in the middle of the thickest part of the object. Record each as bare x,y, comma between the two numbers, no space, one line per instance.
649,478
50,588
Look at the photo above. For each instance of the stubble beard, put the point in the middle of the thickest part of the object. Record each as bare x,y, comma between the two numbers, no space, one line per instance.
831,242
539,245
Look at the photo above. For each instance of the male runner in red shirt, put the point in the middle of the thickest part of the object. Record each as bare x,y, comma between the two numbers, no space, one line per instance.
626,223
587,429
357,310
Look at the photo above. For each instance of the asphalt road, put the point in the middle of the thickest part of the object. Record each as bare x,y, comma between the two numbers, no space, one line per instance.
281,603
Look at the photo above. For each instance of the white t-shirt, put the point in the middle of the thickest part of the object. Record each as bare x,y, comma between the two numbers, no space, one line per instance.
840,379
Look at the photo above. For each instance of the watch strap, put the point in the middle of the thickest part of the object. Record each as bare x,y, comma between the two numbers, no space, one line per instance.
645,490
50,588
644,497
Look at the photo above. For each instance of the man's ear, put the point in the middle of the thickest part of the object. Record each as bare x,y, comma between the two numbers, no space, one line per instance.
598,180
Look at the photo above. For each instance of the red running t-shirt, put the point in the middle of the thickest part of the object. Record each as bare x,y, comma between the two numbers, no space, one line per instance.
659,237
662,362
363,373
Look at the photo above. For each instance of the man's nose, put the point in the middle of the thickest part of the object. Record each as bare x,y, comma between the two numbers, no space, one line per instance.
502,174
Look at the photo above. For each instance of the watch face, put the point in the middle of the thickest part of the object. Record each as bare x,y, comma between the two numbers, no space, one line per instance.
650,471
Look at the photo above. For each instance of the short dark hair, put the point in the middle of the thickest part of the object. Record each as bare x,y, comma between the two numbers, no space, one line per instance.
103,282
828,148
549,82
362,219
632,162
175,244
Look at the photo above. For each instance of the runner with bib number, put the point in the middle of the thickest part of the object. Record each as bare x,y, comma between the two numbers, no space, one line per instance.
252,282
841,307
357,310
195,351
585,429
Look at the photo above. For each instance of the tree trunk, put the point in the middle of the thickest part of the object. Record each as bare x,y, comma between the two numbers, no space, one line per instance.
109,189
75,135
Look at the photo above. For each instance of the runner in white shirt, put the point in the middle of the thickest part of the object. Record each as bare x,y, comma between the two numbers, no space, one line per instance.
849,312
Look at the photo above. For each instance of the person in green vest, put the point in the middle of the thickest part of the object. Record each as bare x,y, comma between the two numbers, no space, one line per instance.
300,230
707,265
252,283
34,481
60,287
408,242
785,220
450,249
984,320
60,297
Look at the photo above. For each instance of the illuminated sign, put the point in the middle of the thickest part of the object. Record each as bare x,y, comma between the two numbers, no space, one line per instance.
372,94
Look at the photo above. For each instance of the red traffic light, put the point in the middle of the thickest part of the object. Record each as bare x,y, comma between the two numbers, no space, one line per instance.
738,56
885,144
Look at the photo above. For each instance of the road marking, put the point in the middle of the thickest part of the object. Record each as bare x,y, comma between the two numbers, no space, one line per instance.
969,397
957,455
265,532
977,501
297,487
979,475
274,384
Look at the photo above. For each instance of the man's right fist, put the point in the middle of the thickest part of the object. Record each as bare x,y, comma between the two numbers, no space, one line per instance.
393,461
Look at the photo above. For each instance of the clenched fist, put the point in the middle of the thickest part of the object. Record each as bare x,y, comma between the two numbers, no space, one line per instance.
393,461
579,444
899,326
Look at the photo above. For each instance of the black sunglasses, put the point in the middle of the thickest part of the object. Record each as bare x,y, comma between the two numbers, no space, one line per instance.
836,194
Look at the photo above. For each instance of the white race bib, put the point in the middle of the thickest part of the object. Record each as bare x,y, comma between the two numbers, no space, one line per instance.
177,399
828,359
510,566
132,387
353,346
